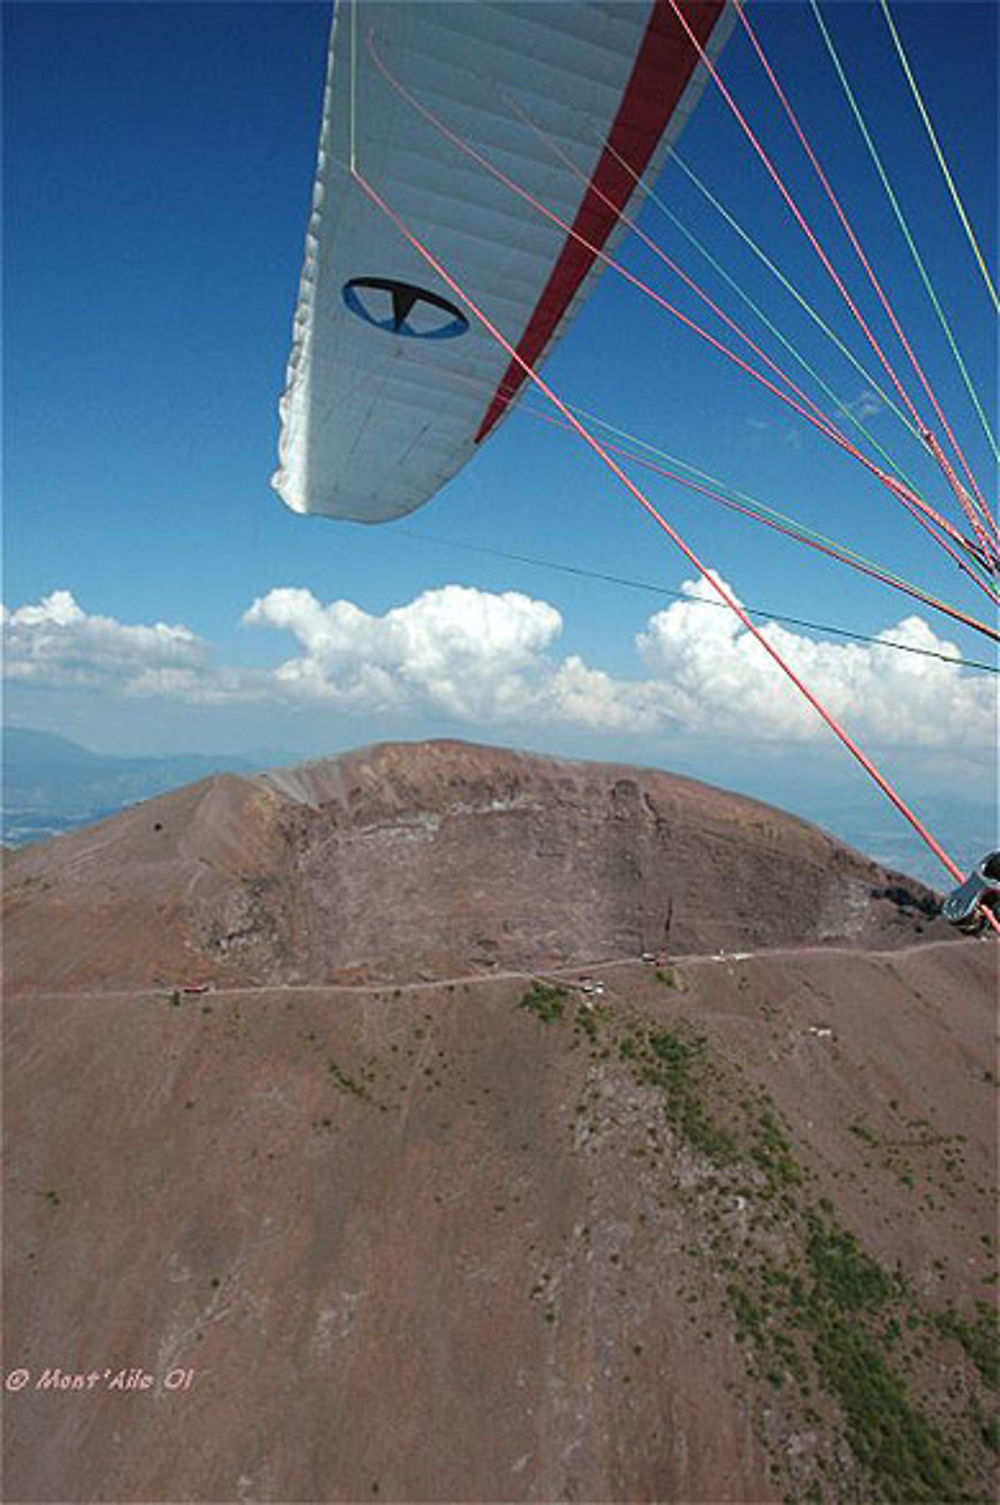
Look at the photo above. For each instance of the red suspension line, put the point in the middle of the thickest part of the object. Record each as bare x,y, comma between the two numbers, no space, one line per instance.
796,212
799,217
828,424
986,543
673,266
825,546
905,495
812,543
873,279
909,499
661,522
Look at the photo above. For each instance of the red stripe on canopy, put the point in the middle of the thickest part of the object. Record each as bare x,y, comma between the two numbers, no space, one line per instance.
664,63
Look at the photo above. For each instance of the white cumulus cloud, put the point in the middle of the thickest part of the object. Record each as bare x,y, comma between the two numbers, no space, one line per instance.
469,654
475,655
715,676
582,696
57,643
487,659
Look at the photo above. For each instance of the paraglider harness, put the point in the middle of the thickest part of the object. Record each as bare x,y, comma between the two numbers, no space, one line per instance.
963,907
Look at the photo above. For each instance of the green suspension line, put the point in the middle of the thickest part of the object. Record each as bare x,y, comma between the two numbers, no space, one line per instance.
788,344
793,290
794,524
904,227
970,233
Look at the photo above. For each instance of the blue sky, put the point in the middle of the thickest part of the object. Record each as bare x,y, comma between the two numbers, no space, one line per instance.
158,169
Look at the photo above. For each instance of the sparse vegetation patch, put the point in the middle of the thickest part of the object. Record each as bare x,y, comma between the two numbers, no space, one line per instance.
348,1083
546,1000
675,1061
821,1322
978,1335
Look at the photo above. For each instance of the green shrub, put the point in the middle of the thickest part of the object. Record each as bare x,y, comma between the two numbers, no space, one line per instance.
546,1000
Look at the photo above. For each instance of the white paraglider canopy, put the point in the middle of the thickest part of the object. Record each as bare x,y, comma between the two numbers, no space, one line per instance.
390,385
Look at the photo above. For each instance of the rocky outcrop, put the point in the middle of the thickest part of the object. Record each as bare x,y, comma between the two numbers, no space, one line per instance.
435,859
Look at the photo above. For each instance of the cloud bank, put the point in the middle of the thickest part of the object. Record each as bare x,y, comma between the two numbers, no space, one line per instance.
490,660
469,654
56,643
714,676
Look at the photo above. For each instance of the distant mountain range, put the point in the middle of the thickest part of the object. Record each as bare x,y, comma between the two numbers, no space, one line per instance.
52,785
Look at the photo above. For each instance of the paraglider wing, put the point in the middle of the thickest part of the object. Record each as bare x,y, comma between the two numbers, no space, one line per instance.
391,385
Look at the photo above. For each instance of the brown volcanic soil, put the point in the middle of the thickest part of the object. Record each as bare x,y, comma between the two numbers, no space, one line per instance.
724,1232
419,1244
427,860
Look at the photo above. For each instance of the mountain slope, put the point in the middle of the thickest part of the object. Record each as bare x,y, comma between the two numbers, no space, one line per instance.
727,1236
722,1230
430,860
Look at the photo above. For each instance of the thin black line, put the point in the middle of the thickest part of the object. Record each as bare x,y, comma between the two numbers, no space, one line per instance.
662,590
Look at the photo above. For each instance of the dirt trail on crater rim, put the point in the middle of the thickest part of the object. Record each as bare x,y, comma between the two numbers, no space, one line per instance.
431,860
724,1232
